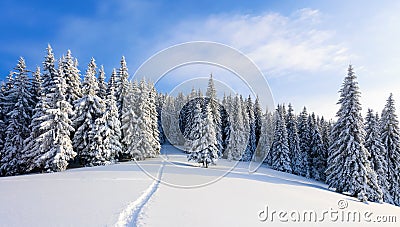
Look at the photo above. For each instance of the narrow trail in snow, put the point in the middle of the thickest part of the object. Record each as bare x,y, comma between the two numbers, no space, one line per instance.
129,216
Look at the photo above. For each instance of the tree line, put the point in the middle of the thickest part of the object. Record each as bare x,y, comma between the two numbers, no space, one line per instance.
51,119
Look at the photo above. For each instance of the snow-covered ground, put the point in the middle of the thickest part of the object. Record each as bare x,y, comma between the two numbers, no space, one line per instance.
145,195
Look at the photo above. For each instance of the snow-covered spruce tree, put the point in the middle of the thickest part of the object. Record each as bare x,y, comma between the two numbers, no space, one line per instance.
204,147
263,146
170,121
6,106
295,155
377,151
326,127
36,86
251,144
390,136
160,102
348,167
305,137
153,127
246,154
139,137
32,146
280,148
225,122
212,101
129,124
271,123
88,109
53,148
238,137
2,125
318,152
18,121
194,137
68,69
101,81
179,103
122,84
258,115
107,131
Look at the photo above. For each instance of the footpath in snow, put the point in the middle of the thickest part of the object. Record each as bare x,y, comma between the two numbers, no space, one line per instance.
179,194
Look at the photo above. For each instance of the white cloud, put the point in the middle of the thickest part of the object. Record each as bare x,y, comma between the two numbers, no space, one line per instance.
278,44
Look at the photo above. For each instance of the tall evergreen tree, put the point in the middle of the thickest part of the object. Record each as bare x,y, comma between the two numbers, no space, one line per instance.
258,115
153,127
251,144
122,84
377,151
305,137
263,146
129,125
18,121
204,146
101,80
108,131
68,69
390,136
88,109
280,148
212,99
295,155
348,166
53,147
318,152
36,86
238,138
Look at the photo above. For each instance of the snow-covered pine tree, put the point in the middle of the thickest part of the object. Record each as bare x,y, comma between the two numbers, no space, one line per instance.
88,109
160,102
153,126
326,127
2,125
377,151
108,131
246,153
225,122
280,148
238,137
195,144
304,136
53,149
295,155
32,145
68,69
129,124
170,121
36,86
18,121
318,152
101,81
251,144
212,101
258,115
263,146
122,84
204,147
348,167
390,136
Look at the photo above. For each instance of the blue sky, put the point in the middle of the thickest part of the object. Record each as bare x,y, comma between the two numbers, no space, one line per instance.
302,47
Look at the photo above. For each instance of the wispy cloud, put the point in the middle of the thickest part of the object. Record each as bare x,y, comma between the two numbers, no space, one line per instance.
278,44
